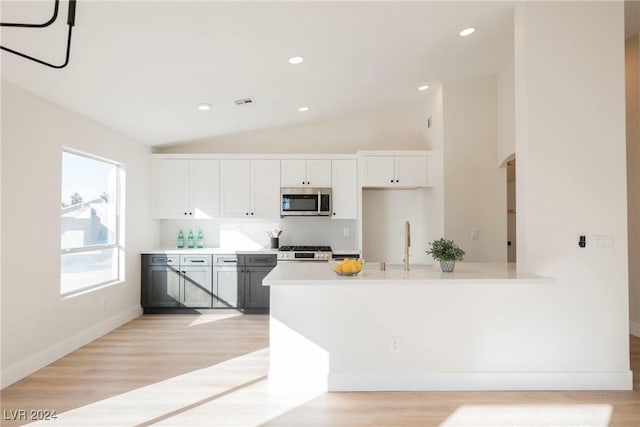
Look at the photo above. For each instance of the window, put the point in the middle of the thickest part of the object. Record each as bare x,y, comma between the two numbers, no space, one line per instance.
90,231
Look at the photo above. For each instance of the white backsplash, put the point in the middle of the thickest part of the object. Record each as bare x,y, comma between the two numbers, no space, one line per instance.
251,234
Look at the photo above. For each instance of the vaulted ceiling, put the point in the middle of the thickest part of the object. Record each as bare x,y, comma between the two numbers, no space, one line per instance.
142,67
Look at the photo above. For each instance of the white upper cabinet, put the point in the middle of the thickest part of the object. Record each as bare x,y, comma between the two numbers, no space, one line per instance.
344,178
395,171
235,185
250,188
265,188
411,171
305,173
185,188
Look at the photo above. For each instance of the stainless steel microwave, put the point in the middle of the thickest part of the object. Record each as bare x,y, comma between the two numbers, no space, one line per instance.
305,201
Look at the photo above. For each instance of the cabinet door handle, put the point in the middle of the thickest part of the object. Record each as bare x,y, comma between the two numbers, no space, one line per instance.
397,180
251,213
391,181
185,213
230,260
197,260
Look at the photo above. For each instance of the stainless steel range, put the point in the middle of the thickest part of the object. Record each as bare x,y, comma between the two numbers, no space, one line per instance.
304,253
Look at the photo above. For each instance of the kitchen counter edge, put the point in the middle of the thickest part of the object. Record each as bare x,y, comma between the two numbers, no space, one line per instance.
295,274
208,251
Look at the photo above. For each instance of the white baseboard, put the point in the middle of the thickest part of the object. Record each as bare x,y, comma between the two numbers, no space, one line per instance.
25,367
481,381
634,329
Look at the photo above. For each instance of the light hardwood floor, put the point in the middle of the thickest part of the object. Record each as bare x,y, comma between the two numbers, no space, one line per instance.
210,370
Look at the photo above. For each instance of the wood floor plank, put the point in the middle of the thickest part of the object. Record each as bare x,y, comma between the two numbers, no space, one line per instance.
210,370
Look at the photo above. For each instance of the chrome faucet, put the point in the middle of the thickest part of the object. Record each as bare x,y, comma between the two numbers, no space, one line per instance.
407,244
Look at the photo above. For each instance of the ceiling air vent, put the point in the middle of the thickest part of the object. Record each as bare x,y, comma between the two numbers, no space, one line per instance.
245,101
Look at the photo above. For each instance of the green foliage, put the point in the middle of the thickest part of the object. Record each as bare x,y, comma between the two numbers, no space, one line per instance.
443,250
76,198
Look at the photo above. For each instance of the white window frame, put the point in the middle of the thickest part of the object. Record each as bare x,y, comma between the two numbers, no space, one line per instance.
119,190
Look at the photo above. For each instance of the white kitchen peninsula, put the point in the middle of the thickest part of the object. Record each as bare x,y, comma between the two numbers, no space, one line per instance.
483,327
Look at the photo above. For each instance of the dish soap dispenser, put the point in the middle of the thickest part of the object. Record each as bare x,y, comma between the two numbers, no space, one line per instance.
200,243
190,240
180,239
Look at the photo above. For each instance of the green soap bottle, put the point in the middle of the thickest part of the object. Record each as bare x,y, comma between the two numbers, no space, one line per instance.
180,239
190,240
200,239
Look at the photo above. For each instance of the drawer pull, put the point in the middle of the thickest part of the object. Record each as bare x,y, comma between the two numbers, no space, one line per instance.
197,260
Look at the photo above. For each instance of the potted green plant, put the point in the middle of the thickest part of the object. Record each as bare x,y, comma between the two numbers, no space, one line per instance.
447,252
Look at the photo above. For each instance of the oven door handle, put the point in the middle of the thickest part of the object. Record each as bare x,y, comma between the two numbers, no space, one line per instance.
319,201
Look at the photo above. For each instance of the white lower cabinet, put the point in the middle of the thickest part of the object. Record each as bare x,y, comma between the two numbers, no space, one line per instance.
250,188
344,189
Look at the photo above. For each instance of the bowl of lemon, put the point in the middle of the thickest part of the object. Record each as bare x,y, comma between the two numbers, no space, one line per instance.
348,267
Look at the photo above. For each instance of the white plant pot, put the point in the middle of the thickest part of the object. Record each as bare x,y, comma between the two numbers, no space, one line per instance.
448,265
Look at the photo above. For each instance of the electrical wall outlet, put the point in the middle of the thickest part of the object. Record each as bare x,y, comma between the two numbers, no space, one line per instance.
474,233
394,345
346,231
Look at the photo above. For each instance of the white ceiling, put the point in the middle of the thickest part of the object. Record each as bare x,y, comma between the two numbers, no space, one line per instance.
142,67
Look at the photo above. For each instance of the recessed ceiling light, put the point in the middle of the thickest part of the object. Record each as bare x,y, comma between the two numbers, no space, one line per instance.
296,60
467,32
423,87
204,107
303,109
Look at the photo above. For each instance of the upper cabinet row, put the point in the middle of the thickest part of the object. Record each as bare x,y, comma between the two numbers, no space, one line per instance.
250,188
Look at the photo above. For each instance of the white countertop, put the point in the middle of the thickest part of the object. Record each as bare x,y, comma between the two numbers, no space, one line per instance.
312,273
208,251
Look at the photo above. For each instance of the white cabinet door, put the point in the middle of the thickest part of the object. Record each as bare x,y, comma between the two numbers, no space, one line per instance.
344,179
378,171
411,171
170,188
293,173
305,173
204,183
319,173
265,188
235,187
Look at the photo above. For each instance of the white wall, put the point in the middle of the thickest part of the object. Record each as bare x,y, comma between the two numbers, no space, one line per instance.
570,145
384,213
633,177
390,129
475,188
38,326
506,118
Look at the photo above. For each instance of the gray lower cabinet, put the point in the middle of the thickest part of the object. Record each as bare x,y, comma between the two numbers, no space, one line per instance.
237,280
256,295
162,287
227,281
206,281
173,281
255,268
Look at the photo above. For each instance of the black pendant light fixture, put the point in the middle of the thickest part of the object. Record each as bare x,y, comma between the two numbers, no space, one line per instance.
71,21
